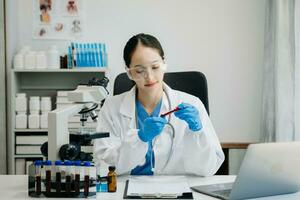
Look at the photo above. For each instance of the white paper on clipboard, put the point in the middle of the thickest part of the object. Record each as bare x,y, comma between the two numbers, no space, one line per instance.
157,185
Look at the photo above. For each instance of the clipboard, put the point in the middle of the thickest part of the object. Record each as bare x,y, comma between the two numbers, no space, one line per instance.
185,195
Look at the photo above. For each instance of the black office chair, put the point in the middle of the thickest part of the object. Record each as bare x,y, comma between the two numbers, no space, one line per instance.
192,82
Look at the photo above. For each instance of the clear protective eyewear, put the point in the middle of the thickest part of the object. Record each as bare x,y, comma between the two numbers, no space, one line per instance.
139,72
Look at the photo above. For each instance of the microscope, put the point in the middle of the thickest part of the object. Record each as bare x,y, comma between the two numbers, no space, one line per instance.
61,144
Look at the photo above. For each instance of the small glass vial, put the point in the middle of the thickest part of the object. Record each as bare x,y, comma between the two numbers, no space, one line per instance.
103,184
112,179
68,165
98,178
87,166
58,164
48,164
77,177
38,179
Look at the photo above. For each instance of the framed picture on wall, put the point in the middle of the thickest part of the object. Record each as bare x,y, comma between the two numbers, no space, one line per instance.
58,19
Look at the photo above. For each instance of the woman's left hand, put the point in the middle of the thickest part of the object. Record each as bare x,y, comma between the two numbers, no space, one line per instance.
190,114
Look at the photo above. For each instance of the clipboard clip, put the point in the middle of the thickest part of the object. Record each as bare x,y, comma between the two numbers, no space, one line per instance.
159,196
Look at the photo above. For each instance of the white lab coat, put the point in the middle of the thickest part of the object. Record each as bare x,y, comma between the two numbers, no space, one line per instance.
197,153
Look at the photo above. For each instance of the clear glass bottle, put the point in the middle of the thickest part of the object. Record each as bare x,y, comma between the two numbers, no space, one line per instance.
98,178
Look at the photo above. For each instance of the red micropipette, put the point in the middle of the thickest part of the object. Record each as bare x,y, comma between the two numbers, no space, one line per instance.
171,111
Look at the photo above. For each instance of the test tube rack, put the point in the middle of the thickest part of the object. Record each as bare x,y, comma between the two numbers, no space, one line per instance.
32,192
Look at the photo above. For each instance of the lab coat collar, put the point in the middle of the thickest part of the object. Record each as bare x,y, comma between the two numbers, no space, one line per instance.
128,104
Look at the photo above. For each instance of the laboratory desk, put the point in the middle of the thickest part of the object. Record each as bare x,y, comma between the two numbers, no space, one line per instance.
15,187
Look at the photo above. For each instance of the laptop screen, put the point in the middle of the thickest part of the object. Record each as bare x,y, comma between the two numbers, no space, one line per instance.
268,169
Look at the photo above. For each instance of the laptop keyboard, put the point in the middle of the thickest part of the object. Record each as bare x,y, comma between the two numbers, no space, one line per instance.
224,193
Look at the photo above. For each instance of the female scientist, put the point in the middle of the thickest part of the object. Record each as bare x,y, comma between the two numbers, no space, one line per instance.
142,142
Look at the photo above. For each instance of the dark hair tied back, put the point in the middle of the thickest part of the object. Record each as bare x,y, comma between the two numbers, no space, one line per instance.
146,40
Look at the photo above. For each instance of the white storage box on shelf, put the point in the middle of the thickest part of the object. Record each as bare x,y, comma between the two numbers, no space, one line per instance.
41,60
34,109
34,105
44,120
21,121
30,61
21,110
46,104
21,102
46,107
53,58
19,61
62,99
34,121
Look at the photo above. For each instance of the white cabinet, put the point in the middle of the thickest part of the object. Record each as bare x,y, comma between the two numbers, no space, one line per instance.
39,83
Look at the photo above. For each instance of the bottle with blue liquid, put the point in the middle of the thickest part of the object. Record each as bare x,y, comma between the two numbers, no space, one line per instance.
101,182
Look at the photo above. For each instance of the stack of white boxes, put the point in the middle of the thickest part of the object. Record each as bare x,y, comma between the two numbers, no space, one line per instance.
62,99
34,112
37,118
46,107
21,111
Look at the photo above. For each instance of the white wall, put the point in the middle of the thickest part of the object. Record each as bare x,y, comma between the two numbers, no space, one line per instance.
223,39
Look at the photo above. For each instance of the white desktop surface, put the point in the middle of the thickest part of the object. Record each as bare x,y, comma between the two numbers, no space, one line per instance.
15,187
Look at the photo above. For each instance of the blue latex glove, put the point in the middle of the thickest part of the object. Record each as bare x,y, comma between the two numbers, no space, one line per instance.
152,127
190,114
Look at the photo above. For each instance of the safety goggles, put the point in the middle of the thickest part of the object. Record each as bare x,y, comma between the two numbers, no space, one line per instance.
140,72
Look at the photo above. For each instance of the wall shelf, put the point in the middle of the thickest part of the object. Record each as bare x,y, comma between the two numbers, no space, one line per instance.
30,130
81,70
28,156
36,82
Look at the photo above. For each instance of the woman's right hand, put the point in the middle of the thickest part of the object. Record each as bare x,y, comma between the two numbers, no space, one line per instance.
152,127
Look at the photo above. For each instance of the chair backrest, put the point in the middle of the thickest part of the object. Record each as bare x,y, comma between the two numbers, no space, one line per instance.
191,82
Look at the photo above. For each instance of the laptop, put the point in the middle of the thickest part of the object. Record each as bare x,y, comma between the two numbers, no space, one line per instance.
267,169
